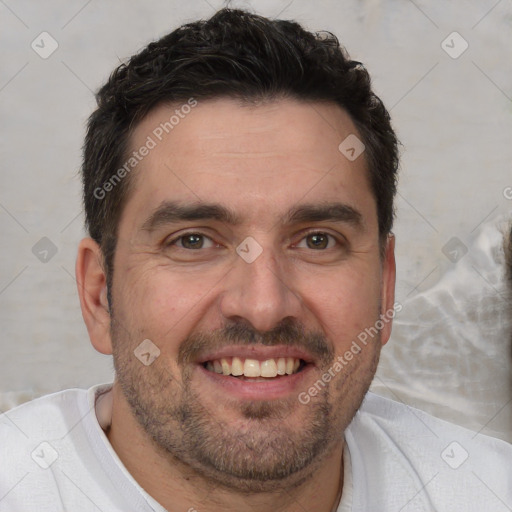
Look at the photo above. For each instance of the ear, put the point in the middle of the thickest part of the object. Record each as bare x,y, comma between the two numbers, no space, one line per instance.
388,288
92,290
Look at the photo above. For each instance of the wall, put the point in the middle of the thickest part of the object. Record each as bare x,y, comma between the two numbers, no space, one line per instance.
453,116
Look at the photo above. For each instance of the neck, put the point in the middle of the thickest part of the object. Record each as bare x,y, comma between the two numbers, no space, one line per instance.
177,487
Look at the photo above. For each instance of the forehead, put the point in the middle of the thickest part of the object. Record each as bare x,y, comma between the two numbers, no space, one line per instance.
269,156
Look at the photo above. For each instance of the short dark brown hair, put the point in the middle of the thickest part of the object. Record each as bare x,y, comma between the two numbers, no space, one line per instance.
233,54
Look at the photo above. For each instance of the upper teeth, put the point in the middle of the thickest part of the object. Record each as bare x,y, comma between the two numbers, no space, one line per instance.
254,368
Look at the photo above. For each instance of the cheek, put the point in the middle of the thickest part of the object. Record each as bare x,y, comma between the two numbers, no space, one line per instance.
345,303
160,304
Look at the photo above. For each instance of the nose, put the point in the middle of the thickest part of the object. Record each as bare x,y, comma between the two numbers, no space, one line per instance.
260,293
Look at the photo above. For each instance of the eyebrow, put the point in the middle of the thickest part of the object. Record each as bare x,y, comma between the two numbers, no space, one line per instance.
172,212
334,212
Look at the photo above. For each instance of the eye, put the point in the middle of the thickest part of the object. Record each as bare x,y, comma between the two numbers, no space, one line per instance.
192,241
318,241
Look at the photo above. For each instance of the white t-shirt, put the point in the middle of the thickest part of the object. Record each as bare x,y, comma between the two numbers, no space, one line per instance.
54,456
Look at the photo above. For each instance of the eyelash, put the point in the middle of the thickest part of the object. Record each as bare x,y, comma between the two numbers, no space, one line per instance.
173,241
184,235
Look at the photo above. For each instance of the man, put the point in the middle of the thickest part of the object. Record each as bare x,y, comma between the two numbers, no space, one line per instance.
239,177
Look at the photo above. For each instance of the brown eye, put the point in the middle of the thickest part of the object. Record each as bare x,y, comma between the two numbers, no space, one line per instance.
193,241
317,241
321,247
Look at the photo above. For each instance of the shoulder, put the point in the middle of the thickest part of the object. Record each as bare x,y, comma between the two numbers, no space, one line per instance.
382,414
23,428
51,416
394,446
34,438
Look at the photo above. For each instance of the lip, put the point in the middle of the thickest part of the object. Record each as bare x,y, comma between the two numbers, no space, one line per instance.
258,352
275,388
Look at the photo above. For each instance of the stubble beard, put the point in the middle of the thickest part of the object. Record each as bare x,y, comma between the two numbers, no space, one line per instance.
262,452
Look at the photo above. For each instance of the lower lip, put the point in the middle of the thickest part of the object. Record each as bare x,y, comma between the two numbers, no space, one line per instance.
273,388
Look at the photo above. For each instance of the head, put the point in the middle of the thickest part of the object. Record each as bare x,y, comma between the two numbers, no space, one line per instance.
227,219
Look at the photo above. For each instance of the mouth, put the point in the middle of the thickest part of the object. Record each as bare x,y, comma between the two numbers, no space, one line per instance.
255,372
252,369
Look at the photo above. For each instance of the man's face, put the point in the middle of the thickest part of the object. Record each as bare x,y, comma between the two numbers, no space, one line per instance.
248,239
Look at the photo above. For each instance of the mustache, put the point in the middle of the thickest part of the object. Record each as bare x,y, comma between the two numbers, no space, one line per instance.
287,332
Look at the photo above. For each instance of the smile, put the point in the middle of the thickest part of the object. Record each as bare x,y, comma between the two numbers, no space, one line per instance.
252,368
255,372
